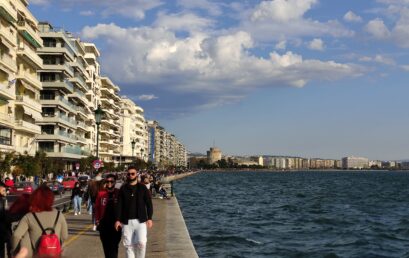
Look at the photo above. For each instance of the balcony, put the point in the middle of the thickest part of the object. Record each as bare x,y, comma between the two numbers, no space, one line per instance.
6,119
7,92
28,102
28,127
60,119
30,55
65,85
82,125
60,136
80,96
29,34
30,78
79,81
64,153
58,50
59,68
57,101
8,12
8,62
7,35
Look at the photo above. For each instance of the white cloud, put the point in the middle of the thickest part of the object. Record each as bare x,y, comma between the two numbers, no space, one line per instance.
316,44
134,9
279,20
281,10
87,13
378,59
378,29
147,97
211,7
352,17
183,22
281,45
217,68
405,68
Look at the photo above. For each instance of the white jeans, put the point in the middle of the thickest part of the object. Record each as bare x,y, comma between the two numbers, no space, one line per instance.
134,238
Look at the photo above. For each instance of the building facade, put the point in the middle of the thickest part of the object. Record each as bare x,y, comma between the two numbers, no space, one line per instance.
355,163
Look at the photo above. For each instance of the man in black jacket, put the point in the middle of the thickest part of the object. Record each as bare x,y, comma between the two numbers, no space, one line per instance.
134,215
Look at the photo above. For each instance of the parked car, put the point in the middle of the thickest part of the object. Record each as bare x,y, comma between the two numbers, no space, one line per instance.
56,187
83,180
22,187
69,182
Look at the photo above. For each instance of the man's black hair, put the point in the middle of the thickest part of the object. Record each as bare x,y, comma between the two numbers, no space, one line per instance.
132,167
110,176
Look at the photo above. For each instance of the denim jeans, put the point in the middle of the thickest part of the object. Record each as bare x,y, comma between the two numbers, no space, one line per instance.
134,238
77,203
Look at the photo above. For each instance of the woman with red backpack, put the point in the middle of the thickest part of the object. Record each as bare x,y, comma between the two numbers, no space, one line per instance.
45,227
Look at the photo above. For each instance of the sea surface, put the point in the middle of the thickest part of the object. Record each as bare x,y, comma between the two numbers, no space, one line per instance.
297,214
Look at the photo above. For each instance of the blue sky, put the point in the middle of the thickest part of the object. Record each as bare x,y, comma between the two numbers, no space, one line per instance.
310,78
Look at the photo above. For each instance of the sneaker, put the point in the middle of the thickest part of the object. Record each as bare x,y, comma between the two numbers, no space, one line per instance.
75,214
94,228
79,213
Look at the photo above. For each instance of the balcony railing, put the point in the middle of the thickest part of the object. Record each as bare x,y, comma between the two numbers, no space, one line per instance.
32,127
6,118
23,49
28,101
31,78
8,92
30,34
9,62
66,84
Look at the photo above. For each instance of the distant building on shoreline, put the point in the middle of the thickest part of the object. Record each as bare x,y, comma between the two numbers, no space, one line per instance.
214,155
355,163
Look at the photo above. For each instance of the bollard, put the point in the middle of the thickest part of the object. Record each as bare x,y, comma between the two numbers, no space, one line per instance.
171,188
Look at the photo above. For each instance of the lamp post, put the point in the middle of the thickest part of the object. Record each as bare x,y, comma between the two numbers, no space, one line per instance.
142,153
98,117
133,147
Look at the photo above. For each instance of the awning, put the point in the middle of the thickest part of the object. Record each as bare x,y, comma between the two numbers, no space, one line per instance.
34,114
27,86
30,39
6,15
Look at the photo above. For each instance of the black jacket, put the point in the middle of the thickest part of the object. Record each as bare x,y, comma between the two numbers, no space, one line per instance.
144,203
76,191
4,228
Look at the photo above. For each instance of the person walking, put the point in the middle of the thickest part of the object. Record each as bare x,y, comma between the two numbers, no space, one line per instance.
134,215
76,197
41,215
105,205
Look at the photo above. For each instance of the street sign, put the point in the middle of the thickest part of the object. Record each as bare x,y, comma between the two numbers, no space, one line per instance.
97,164
77,166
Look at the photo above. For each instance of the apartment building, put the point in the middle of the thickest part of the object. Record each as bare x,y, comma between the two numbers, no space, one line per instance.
110,128
355,163
134,141
27,108
68,120
8,69
164,148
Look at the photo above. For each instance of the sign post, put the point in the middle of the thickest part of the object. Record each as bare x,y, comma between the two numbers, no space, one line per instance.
97,164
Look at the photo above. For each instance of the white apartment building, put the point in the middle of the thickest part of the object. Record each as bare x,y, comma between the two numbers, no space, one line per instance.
133,130
27,110
110,129
164,148
64,104
355,163
8,70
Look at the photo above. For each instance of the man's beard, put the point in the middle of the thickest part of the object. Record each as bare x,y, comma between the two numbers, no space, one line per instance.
110,187
132,180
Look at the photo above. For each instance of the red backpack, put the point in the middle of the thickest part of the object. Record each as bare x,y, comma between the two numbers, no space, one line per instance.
48,245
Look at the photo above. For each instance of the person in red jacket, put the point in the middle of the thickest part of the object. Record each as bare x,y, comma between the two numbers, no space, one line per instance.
105,206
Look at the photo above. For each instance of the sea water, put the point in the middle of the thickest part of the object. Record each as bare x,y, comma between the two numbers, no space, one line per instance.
297,214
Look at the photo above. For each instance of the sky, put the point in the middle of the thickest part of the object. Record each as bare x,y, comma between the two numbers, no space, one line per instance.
308,78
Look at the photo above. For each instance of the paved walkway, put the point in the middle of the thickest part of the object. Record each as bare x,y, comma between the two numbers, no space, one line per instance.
167,238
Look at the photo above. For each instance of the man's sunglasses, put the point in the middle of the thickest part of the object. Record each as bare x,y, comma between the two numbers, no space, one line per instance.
131,174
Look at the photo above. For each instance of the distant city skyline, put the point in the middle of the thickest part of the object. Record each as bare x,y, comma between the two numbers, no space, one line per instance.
314,78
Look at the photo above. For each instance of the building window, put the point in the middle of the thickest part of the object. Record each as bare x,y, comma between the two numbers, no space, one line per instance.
5,136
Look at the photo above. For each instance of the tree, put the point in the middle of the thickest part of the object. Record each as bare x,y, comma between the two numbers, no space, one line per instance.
6,162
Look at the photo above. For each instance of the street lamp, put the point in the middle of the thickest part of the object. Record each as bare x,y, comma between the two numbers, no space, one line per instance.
133,147
98,117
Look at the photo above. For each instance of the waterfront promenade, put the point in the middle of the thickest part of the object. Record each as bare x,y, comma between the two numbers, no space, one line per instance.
168,237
